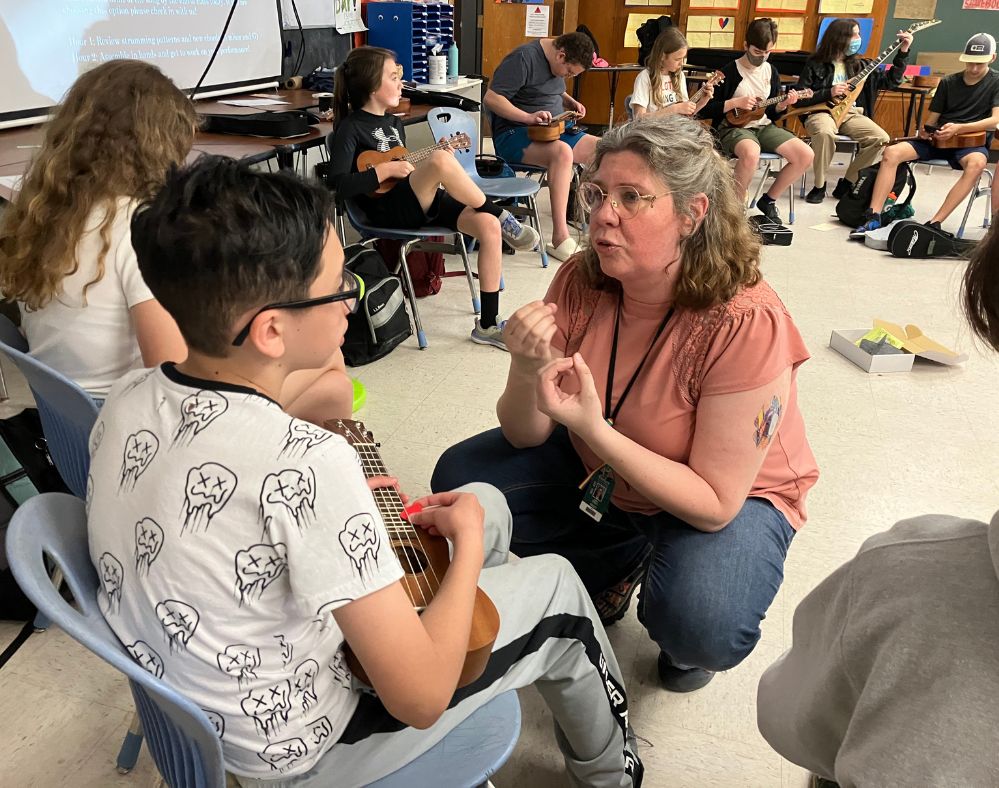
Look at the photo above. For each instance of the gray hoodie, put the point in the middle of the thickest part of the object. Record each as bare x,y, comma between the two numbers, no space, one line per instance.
893,675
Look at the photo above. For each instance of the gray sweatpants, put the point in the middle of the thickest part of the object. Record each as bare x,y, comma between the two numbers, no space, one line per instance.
550,636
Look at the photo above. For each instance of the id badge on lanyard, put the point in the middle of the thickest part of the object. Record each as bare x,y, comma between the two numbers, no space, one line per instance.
598,487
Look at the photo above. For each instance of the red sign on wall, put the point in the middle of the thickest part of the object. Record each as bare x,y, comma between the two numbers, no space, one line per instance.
981,5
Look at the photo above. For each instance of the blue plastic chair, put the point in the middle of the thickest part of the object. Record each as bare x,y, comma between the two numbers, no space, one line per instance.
68,413
414,239
447,122
180,737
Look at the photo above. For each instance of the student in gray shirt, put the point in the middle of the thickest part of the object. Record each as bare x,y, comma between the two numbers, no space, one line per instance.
528,89
893,675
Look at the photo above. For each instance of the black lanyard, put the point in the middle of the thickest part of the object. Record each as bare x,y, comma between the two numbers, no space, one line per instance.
609,415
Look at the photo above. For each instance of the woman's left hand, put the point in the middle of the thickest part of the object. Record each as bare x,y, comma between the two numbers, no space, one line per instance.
566,394
576,106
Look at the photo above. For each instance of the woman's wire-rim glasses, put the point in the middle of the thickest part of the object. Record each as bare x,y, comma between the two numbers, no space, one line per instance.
625,200
352,288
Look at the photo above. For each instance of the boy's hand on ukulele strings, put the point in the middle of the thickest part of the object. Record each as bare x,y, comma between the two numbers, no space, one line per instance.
387,482
541,118
455,516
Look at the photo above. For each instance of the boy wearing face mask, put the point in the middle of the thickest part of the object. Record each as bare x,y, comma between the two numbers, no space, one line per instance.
750,80
828,73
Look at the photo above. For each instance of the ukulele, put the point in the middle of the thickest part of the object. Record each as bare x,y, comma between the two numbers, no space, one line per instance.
554,129
424,557
972,139
372,158
740,117
715,79
839,107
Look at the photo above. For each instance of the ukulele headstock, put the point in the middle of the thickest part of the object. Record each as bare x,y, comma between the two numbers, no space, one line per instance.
354,432
459,141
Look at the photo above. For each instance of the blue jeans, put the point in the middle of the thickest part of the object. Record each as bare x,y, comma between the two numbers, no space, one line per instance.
703,595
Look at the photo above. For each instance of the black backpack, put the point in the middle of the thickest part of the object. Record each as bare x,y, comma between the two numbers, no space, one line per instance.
647,35
852,206
381,321
25,470
917,241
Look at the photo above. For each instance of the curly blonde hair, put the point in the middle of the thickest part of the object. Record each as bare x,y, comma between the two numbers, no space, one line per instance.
722,254
116,133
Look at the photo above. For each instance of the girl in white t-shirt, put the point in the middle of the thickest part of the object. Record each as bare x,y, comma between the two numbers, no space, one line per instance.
661,89
66,251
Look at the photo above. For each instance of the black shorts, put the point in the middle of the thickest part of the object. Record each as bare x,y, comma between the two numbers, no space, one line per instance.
399,209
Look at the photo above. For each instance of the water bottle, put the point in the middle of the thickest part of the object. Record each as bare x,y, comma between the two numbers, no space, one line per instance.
886,208
452,62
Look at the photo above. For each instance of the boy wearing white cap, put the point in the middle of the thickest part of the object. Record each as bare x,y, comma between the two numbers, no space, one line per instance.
965,103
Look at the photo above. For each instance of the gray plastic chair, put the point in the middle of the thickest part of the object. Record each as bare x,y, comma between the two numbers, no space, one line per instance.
181,739
447,122
68,413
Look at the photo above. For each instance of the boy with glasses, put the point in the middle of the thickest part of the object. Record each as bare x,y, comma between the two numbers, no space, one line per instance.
240,549
750,80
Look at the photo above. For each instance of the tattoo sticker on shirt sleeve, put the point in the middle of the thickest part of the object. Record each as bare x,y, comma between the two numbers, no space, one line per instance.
766,423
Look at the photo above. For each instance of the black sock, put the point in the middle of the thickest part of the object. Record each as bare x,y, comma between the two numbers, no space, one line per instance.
766,198
489,308
490,207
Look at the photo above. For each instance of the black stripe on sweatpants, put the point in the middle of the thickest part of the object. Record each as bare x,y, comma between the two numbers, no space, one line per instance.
370,717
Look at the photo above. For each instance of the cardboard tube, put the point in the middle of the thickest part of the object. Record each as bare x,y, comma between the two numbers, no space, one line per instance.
293,83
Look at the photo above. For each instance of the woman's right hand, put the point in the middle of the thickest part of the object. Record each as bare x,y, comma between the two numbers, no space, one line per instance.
528,335
393,169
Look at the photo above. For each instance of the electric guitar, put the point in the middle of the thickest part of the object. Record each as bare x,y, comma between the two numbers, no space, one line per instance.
372,158
424,557
839,107
740,117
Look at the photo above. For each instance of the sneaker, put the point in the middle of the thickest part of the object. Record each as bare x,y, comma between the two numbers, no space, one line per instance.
521,237
489,336
769,209
682,679
842,188
816,195
564,250
873,222
933,226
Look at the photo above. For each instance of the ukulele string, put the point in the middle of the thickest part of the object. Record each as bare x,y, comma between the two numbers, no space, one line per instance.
365,454
392,503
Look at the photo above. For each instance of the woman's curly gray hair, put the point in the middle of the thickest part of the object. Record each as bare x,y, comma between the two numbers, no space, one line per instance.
722,254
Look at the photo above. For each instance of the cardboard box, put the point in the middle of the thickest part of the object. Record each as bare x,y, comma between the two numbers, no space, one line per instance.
916,342
941,63
842,341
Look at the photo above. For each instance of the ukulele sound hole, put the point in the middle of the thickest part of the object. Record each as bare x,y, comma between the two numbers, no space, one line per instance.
413,561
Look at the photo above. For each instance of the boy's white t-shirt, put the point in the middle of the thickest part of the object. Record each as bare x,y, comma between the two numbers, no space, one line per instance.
755,82
225,533
641,94
93,345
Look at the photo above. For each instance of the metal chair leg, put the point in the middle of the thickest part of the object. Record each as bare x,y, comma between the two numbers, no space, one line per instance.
3,382
763,180
129,752
790,204
532,204
421,336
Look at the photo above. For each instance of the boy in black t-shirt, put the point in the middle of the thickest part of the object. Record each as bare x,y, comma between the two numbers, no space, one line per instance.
965,103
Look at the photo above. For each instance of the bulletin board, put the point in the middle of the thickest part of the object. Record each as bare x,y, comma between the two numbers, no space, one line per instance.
722,23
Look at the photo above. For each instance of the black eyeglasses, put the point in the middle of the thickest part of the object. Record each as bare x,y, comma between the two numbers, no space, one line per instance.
351,291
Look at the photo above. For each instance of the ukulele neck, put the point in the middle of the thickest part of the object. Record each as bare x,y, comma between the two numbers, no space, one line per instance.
421,155
387,499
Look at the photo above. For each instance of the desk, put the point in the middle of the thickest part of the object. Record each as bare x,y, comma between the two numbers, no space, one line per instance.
613,73
18,146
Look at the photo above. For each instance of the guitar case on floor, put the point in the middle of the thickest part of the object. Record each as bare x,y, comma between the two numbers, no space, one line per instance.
772,234
917,241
